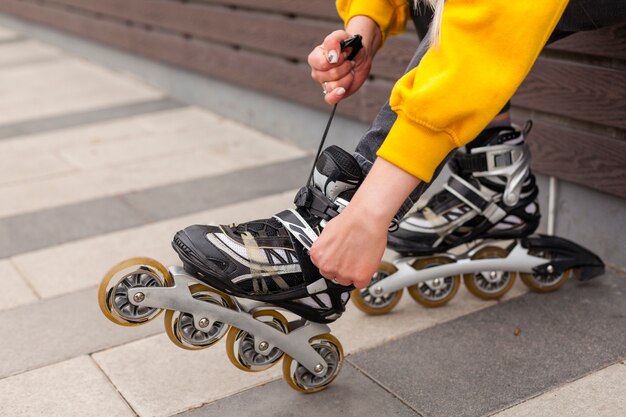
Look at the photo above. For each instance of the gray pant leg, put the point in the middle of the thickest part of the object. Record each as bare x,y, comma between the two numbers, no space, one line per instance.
365,152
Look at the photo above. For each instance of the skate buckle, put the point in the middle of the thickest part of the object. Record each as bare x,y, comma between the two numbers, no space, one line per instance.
317,286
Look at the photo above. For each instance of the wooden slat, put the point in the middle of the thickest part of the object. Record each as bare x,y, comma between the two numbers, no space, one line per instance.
274,34
607,42
580,157
257,71
581,92
313,8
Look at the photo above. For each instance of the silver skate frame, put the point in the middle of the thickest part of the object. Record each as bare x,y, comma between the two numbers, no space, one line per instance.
178,298
517,260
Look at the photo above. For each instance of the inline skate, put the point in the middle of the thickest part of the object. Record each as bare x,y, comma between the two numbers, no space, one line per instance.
479,228
253,283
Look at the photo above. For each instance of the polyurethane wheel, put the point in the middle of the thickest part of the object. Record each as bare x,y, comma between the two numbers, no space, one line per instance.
544,282
180,326
300,379
371,304
240,344
489,285
131,273
435,292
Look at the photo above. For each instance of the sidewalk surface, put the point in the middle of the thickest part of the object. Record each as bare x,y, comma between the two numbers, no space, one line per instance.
96,166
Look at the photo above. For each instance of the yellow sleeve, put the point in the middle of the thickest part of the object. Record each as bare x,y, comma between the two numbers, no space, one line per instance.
390,15
487,48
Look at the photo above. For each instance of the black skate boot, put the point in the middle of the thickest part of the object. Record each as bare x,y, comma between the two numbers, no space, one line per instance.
267,260
491,194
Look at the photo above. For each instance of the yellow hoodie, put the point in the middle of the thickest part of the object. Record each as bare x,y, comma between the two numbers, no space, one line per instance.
486,49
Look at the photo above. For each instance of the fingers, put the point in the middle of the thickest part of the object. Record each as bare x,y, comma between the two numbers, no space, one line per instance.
328,55
332,272
332,46
334,96
334,73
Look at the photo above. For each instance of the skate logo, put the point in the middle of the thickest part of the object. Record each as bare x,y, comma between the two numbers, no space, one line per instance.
299,228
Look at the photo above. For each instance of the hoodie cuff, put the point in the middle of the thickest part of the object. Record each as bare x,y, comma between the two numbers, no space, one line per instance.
415,148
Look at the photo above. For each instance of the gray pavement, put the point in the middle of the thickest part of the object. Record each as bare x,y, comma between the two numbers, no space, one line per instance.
472,366
97,166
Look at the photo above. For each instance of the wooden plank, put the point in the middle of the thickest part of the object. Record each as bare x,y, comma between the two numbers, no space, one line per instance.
272,33
580,157
581,92
277,35
313,8
321,9
248,69
608,42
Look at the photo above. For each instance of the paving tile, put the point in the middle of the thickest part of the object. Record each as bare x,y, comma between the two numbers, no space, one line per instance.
15,291
219,190
72,388
77,148
476,364
45,228
601,394
358,331
81,264
25,51
6,33
136,175
159,379
59,329
89,134
202,130
15,167
72,188
351,395
91,87
84,117
42,229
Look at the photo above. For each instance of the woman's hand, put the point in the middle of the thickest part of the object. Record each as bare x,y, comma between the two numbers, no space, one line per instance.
350,247
329,66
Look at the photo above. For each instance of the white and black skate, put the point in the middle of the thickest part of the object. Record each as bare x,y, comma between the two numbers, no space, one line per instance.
267,260
478,228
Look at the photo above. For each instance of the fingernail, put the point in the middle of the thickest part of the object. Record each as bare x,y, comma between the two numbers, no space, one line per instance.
332,57
340,91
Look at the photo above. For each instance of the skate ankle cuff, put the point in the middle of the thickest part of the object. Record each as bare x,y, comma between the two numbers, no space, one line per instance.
316,203
489,158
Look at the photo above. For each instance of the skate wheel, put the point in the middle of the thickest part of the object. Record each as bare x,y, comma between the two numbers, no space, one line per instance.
435,292
300,379
371,304
131,273
180,326
240,344
544,282
489,285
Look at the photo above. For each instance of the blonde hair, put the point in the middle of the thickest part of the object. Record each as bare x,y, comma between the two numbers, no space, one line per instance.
435,26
